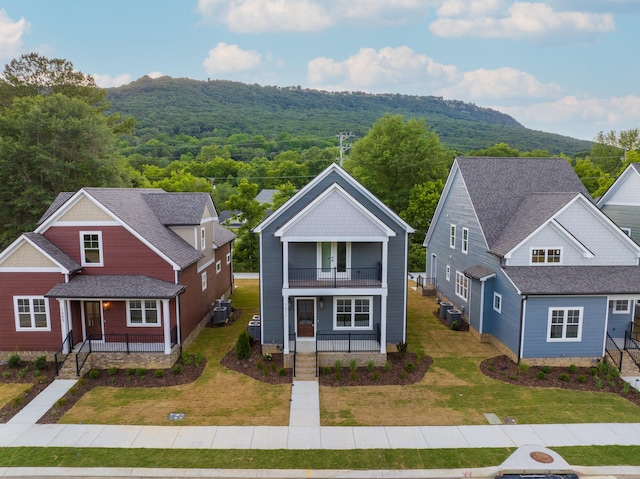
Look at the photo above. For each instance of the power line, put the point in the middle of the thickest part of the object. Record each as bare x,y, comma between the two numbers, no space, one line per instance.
343,148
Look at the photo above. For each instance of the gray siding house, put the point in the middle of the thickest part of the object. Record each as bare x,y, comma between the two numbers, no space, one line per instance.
517,245
621,202
333,273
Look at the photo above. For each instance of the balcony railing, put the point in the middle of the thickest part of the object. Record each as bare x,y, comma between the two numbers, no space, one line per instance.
335,277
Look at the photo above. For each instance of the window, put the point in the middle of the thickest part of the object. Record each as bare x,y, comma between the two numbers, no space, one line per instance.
334,258
353,313
497,302
462,285
143,312
448,273
31,313
465,240
218,266
228,258
91,248
546,255
203,238
565,324
204,281
452,236
620,306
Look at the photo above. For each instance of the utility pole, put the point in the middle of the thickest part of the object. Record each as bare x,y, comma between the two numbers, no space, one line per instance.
343,147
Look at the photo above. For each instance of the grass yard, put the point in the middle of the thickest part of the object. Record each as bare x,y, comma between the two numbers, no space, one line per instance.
12,391
218,397
455,392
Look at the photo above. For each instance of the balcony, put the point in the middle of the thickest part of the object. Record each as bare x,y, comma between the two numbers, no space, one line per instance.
335,277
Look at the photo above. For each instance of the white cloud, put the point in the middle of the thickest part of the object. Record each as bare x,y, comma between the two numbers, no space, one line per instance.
500,83
379,70
106,81
155,74
231,59
258,16
381,11
475,18
11,35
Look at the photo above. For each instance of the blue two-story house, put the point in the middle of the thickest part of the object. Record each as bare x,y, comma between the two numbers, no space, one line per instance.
333,273
518,246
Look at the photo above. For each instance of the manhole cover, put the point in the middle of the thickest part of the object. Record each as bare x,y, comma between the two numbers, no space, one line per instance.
542,457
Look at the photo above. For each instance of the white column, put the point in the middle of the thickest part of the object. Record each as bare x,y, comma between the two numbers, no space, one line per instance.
285,325
166,317
285,263
383,324
64,325
385,261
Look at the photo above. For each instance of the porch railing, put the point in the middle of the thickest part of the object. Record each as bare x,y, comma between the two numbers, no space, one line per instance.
632,347
83,354
614,352
131,342
60,355
292,349
336,277
348,342
425,283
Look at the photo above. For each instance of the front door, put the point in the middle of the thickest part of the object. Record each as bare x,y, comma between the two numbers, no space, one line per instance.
333,259
93,319
305,316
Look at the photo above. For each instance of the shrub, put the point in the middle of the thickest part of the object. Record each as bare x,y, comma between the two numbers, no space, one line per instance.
542,375
336,375
598,382
22,372
61,402
403,375
141,372
41,378
353,365
545,369
158,373
523,367
326,370
573,368
176,368
455,326
94,374
13,361
129,371
6,374
282,372
420,355
273,367
186,359
198,359
243,346
259,364
387,366
402,348
267,357
625,387
409,367
513,377
37,372
112,371
564,377
376,376
581,379
353,375
593,371
40,362
337,366
371,365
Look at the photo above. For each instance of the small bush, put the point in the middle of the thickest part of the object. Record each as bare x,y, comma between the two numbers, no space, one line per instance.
158,373
513,377
523,367
129,371
337,366
403,375
243,346
581,379
353,375
402,348
112,371
491,368
176,368
593,371
198,359
371,366
22,372
598,382
267,357
13,361
541,375
37,372
40,362
41,379
573,368
6,374
420,355
625,387
273,367
455,326
564,377
94,374
353,365
259,364
61,402
186,359
409,367
336,375
141,372
282,372
545,369
376,376
387,366
326,370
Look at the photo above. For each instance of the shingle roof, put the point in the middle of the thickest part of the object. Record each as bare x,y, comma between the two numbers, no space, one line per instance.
174,209
115,287
479,271
53,251
562,280
221,235
497,187
265,196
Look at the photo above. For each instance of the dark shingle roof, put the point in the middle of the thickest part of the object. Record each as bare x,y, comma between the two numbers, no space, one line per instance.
221,235
53,251
479,271
562,280
173,209
497,187
115,287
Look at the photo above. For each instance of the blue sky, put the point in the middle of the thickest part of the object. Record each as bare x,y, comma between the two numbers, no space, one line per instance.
563,66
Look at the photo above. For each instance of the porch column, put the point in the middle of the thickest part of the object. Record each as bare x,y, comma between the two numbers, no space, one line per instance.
285,325
166,316
385,261
285,263
64,325
383,324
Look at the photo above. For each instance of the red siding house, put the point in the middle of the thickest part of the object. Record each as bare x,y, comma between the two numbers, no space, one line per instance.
119,277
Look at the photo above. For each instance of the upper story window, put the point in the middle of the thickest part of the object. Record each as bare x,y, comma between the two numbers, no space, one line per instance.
452,236
620,306
204,281
448,273
546,255
143,312
465,240
497,302
91,248
353,313
203,238
565,324
31,313
218,266
228,258
462,285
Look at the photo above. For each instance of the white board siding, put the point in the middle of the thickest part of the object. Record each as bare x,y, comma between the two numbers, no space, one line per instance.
627,192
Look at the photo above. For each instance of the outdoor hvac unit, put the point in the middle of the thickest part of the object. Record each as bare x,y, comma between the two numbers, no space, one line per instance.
220,315
225,303
454,315
444,307
254,329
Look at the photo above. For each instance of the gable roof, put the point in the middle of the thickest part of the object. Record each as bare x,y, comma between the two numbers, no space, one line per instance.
633,170
143,212
265,196
47,248
334,168
221,235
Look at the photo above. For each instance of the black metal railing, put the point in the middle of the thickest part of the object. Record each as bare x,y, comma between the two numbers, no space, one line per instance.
83,354
60,355
426,283
336,277
292,349
632,347
614,352
131,342
348,342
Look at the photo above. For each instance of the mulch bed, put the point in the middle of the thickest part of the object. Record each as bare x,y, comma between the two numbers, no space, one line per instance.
600,379
258,367
463,326
24,373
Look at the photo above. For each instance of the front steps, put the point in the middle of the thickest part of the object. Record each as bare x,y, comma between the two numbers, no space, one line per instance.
629,368
306,367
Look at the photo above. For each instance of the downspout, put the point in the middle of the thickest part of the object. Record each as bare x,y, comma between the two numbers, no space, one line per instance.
523,306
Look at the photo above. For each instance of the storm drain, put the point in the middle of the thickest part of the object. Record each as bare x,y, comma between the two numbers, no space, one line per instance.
176,416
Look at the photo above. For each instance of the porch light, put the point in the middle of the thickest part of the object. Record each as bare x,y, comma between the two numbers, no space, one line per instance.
321,302
106,305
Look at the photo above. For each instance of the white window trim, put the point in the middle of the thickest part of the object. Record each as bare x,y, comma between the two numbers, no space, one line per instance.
218,266
32,313
614,309
228,258
465,240
203,238
204,281
144,324
564,339
448,273
546,255
452,236
497,296
462,286
101,250
353,313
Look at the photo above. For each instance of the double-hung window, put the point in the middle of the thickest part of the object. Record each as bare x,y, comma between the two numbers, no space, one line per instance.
565,324
620,306
465,240
353,313
91,248
204,281
218,266
452,236
143,312
497,302
462,285
203,238
31,313
546,255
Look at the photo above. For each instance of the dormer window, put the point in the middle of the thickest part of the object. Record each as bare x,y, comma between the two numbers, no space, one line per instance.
546,255
91,248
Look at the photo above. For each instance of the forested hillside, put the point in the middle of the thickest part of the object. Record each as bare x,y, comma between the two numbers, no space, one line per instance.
221,109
